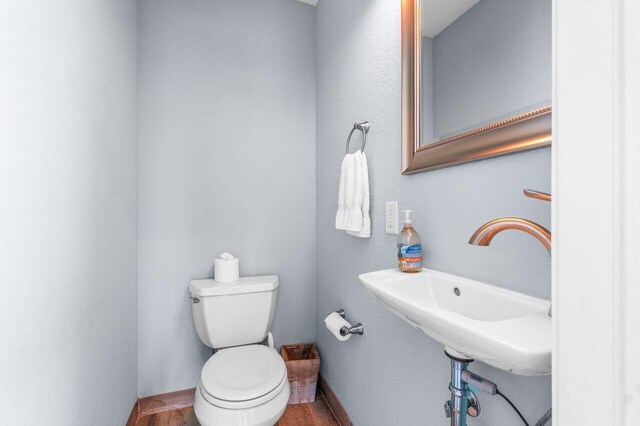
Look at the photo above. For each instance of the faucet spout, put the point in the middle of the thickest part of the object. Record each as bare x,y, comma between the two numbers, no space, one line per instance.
484,234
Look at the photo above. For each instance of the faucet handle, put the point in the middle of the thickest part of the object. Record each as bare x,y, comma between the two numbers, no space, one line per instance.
537,195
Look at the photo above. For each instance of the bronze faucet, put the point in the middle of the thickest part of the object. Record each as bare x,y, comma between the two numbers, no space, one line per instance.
484,234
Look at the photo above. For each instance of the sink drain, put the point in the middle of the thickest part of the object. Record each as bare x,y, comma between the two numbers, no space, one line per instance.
456,290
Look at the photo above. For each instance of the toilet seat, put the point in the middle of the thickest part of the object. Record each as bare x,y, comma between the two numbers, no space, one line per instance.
266,414
243,377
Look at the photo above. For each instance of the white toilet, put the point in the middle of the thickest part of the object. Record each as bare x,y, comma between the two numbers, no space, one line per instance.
244,383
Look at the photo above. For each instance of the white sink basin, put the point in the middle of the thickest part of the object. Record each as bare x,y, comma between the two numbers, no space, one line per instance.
502,328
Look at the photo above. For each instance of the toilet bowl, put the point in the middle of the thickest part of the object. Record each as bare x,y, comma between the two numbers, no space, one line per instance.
245,382
244,386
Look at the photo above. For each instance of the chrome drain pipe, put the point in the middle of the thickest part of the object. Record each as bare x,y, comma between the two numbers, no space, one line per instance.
464,401
456,407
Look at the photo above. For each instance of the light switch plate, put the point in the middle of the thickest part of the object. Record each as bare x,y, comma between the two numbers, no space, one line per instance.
391,217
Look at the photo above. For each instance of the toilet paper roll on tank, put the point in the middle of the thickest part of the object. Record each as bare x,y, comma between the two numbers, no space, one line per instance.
226,268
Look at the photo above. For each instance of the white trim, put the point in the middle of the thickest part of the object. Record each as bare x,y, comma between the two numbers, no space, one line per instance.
596,190
630,103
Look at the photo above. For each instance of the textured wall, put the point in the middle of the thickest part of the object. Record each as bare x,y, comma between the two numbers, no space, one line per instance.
226,162
394,375
67,212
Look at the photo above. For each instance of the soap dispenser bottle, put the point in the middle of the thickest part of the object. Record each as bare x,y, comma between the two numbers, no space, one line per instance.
409,247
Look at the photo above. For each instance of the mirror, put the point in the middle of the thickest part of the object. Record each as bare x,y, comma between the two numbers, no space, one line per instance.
476,80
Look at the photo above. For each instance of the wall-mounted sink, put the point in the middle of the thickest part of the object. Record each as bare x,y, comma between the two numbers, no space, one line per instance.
502,328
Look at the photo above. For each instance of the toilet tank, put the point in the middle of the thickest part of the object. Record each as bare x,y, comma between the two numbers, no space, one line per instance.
236,313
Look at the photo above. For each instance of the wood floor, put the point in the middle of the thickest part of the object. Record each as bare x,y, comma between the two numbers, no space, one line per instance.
316,413
178,417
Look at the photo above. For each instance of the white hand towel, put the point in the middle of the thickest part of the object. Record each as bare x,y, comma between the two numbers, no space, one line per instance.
362,171
346,191
353,196
341,214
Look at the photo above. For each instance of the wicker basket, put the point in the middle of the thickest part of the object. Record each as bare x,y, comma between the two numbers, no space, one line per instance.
303,364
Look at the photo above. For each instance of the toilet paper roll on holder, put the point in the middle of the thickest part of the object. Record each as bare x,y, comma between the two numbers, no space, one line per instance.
356,329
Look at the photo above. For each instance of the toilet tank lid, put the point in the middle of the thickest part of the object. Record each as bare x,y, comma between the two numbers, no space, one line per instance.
243,285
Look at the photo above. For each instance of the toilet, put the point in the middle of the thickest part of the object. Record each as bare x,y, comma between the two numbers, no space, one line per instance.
245,382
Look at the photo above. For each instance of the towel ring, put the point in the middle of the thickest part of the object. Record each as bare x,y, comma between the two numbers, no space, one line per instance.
364,128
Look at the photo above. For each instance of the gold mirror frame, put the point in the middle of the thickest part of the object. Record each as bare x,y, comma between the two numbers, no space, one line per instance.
521,132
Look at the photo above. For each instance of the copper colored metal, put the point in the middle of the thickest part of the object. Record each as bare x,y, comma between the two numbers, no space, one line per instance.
521,132
531,193
484,234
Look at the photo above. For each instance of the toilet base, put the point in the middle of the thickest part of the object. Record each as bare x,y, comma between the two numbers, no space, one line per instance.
266,414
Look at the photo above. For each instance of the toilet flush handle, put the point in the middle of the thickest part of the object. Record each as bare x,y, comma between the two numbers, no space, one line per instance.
195,300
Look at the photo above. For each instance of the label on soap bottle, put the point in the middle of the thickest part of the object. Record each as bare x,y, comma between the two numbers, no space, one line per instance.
410,256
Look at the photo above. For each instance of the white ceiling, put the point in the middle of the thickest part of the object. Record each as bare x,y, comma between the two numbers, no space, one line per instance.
439,14
311,2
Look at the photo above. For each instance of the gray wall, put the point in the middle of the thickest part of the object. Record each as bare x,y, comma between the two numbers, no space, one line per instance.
67,212
426,91
394,375
492,61
226,162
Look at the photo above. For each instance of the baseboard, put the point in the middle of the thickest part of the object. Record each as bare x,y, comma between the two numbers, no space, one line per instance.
334,403
181,399
133,417
159,403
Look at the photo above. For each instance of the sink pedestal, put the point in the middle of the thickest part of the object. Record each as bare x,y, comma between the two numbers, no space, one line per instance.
458,406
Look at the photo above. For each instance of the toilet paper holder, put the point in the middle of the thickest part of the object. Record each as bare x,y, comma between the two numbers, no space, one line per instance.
356,329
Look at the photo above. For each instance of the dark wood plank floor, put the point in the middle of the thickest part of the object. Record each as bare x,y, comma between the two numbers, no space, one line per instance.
178,417
316,413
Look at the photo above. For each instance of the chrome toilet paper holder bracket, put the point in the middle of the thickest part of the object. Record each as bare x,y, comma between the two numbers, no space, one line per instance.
356,329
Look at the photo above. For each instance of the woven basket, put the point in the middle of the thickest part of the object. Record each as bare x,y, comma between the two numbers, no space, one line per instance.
303,363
